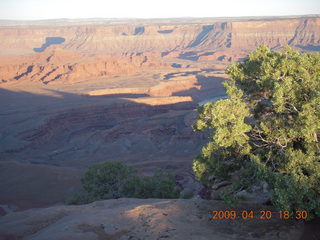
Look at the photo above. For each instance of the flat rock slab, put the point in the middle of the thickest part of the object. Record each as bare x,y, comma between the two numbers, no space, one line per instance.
138,219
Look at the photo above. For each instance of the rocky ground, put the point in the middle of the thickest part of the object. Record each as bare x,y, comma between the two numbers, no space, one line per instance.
136,219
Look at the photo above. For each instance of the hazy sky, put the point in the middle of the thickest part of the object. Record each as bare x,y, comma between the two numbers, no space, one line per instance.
48,9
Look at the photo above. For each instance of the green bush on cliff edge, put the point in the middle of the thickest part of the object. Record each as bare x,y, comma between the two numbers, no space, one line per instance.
112,180
268,129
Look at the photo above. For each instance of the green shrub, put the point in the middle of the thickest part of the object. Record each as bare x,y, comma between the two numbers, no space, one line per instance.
112,180
268,129
162,185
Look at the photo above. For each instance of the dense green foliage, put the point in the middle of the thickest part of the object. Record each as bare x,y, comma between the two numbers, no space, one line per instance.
111,180
268,129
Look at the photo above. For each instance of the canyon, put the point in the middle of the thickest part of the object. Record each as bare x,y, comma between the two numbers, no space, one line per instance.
82,92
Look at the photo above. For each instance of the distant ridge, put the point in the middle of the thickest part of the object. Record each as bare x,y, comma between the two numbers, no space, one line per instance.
11,22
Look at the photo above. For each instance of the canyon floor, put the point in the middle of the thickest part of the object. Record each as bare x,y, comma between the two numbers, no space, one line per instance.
53,133
77,93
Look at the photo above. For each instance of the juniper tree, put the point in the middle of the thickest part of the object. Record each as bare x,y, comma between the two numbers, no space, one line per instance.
268,129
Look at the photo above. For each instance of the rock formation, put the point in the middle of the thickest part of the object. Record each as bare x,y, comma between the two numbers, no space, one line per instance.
145,219
97,50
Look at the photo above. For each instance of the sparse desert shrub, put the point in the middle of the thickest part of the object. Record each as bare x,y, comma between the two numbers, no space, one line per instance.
162,185
112,180
268,129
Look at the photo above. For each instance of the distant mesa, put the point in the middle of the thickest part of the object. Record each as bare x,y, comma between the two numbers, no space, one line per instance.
50,41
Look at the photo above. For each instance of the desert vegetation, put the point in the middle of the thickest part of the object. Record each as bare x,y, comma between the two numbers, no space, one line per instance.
267,131
112,180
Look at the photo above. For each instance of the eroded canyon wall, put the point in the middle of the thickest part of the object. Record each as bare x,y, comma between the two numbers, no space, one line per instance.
91,51
163,38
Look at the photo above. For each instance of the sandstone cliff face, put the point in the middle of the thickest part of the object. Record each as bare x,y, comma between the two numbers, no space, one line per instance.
163,38
96,51
303,32
60,66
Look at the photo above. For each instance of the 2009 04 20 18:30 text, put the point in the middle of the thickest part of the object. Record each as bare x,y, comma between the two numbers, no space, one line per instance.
262,214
